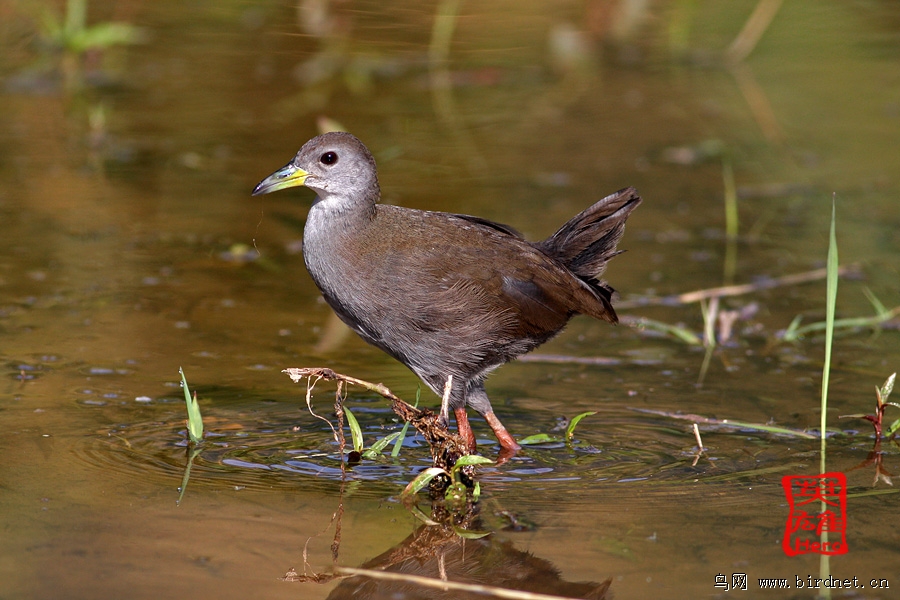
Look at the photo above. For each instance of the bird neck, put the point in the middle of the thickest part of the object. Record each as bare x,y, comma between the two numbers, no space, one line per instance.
335,221
341,209
336,234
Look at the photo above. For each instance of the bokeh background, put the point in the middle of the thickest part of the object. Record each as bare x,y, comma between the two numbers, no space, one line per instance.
132,132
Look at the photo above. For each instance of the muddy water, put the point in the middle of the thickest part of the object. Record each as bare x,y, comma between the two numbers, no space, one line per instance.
131,247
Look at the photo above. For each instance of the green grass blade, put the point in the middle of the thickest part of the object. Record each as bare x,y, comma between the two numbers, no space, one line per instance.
731,199
831,285
879,307
395,452
685,335
195,419
727,423
791,333
731,220
76,15
738,475
873,493
570,430
380,445
355,430
830,308
767,428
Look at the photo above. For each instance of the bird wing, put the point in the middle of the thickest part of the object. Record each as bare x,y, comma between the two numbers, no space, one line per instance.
535,293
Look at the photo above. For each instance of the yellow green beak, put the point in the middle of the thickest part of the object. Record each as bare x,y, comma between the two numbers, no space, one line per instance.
285,177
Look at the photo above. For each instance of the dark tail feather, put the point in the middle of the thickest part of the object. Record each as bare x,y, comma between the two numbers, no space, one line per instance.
589,239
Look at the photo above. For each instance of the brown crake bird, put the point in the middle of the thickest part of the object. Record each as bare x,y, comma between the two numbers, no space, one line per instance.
445,294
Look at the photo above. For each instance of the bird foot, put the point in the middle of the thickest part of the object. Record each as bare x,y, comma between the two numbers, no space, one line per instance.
464,429
508,444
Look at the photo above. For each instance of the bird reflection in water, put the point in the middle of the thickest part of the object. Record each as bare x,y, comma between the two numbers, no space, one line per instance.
441,553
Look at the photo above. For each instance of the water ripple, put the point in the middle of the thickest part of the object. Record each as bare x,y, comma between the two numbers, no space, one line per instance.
263,450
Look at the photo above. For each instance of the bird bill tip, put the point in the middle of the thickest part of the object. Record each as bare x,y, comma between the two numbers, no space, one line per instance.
285,177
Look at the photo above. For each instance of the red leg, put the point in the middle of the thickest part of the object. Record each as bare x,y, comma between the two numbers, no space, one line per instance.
507,443
465,430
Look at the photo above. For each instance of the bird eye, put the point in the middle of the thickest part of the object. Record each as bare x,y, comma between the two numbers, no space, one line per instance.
329,158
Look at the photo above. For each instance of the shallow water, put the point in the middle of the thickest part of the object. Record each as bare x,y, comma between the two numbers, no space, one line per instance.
131,248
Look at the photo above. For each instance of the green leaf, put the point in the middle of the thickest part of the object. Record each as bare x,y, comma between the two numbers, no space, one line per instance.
195,420
417,513
378,446
470,535
455,496
538,438
570,430
895,426
887,388
421,480
355,430
472,459
467,461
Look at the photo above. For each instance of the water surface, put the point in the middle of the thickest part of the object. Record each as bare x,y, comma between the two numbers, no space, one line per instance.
131,248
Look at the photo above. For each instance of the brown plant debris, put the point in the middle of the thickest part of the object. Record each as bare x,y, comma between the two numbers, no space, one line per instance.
446,447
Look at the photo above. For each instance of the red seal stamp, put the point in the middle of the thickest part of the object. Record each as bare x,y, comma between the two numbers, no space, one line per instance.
817,503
